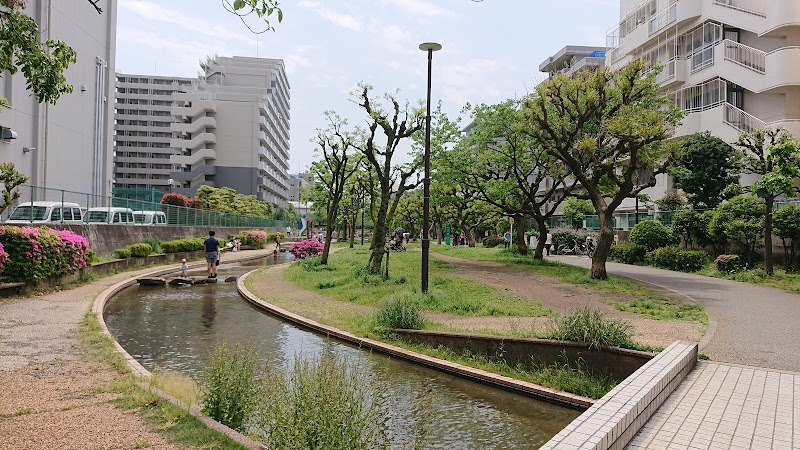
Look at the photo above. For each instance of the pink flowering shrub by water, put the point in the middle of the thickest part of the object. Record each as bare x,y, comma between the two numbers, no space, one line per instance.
34,254
253,238
308,247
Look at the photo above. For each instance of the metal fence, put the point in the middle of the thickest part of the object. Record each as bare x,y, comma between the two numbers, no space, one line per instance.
140,202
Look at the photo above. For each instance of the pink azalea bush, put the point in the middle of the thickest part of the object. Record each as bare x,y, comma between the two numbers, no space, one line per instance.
3,257
253,238
304,248
729,263
33,254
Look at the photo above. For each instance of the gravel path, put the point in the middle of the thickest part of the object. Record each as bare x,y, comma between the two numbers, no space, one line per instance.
750,324
51,397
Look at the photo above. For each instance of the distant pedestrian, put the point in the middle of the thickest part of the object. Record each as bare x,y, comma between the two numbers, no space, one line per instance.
288,231
507,239
184,268
321,237
548,242
211,246
462,239
278,241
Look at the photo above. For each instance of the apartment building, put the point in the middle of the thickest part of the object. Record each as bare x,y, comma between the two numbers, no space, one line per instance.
297,183
143,130
67,145
232,129
574,58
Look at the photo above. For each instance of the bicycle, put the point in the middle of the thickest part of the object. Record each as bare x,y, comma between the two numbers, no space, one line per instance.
578,248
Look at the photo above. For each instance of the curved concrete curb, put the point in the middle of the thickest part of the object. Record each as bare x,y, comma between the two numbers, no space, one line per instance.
518,386
139,370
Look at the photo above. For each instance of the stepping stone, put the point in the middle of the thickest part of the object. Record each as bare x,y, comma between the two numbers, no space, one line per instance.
230,279
180,282
151,282
201,280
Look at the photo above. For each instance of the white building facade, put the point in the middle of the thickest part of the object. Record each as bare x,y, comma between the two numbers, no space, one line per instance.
67,145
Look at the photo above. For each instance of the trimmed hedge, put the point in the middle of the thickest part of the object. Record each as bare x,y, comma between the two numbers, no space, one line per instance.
122,253
183,245
628,253
140,250
652,235
729,263
674,258
271,237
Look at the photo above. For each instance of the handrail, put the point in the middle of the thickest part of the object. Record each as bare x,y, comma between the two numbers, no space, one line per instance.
745,56
742,120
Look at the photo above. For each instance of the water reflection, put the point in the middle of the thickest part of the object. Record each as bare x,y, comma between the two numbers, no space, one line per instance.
177,327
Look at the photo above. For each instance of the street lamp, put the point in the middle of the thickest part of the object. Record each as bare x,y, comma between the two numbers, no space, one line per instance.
429,47
170,182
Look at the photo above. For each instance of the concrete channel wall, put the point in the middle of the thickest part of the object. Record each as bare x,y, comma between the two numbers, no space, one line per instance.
615,419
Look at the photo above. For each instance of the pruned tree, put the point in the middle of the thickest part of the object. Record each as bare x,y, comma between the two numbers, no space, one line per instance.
11,180
339,162
609,129
787,227
409,213
395,122
575,210
773,154
741,221
706,166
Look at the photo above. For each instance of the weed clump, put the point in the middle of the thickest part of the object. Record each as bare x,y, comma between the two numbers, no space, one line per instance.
592,327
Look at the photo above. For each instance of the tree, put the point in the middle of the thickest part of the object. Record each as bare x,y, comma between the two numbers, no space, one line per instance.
409,213
263,9
671,202
787,227
609,128
227,200
706,166
11,180
773,154
575,210
336,167
741,220
395,122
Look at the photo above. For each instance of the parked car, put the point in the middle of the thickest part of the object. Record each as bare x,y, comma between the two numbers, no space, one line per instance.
105,214
149,218
46,212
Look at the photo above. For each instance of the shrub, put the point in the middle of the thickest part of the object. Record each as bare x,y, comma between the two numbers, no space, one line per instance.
271,236
403,312
34,254
155,245
182,245
305,248
628,253
122,253
91,256
229,385
253,238
674,258
652,235
729,263
140,250
492,241
3,257
175,199
591,326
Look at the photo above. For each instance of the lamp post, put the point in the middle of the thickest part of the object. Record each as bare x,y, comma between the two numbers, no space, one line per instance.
170,182
428,47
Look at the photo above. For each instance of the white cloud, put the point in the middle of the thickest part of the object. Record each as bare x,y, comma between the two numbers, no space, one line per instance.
340,19
422,8
473,81
155,12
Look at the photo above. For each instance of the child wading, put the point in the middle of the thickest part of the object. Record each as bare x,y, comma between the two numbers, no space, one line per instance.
184,269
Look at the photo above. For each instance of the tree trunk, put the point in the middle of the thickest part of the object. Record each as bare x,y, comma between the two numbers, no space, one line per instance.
353,231
326,249
471,237
542,227
379,235
439,232
603,246
768,260
522,246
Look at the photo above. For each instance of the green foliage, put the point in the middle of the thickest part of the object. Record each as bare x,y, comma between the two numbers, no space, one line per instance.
41,63
664,310
569,236
122,253
229,384
254,238
35,254
91,256
671,202
575,210
740,220
400,312
652,235
729,263
11,180
227,200
183,245
271,236
773,154
628,253
492,241
140,250
707,165
264,9
786,221
674,258
592,327
155,245
691,226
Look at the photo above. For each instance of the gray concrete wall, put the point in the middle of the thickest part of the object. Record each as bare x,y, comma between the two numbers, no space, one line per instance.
243,179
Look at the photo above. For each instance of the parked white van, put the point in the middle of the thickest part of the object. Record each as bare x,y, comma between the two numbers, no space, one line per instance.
149,218
46,212
104,214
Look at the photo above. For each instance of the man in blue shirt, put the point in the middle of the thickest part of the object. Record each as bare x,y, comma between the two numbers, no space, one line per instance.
211,246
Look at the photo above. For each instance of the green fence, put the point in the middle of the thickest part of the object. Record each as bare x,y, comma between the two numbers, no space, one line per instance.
142,201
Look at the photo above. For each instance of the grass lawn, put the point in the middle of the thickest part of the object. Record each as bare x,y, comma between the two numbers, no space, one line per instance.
345,278
646,302
781,280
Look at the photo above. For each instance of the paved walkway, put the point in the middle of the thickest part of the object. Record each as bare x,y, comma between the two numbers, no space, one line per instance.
749,324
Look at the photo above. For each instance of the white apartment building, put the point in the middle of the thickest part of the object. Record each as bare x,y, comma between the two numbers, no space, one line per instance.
67,145
297,183
574,58
143,132
232,129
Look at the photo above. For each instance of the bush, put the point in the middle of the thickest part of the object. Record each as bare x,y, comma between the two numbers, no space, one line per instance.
305,248
271,236
729,263
183,245
122,253
253,238
652,235
628,253
568,236
140,250
230,386
34,254
404,312
674,258
3,257
155,245
592,327
492,241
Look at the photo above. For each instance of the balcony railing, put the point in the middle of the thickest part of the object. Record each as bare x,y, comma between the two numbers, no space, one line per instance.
700,97
663,18
755,7
752,58
741,120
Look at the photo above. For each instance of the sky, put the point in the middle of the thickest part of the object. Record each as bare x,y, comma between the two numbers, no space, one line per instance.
491,49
